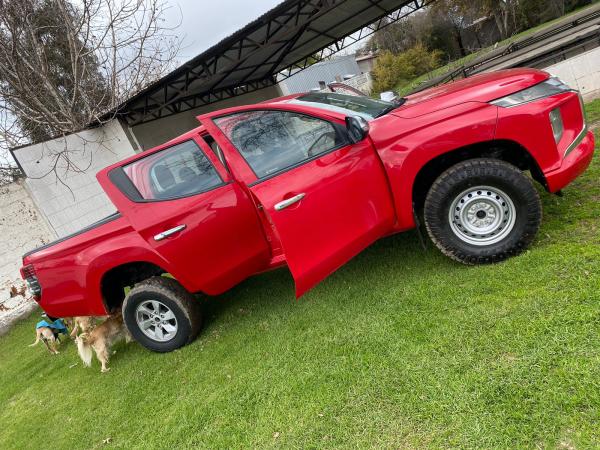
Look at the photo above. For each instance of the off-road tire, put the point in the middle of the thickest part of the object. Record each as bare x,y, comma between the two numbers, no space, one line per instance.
497,174
168,291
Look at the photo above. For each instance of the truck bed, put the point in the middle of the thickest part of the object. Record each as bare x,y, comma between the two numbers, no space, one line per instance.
67,267
100,222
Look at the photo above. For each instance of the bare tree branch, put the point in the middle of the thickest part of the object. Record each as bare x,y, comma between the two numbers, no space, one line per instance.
64,64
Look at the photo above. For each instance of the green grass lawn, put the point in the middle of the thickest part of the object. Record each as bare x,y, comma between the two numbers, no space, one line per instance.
592,110
400,348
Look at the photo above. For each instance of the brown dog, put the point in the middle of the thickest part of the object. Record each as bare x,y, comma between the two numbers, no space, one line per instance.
80,324
101,339
46,335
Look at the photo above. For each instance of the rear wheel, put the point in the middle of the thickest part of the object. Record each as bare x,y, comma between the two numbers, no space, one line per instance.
161,315
482,211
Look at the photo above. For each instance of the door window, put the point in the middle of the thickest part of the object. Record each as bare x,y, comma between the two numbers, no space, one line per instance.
272,141
178,171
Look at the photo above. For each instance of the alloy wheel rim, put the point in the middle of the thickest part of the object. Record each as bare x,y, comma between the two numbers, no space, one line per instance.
156,320
482,215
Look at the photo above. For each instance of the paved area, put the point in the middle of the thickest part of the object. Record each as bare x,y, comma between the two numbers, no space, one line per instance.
540,54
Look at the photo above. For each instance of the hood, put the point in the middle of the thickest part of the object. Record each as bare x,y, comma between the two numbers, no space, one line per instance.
484,88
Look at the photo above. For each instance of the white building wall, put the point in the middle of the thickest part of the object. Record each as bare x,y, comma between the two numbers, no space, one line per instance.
22,228
73,199
366,64
581,72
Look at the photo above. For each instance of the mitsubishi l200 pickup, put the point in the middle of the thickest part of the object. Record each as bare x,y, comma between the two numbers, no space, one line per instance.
308,181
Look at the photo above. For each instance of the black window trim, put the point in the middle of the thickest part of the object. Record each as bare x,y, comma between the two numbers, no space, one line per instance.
339,129
122,181
224,162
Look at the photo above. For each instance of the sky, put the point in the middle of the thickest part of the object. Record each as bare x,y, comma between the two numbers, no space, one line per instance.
206,22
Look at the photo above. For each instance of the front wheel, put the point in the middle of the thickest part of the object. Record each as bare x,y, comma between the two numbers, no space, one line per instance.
482,211
161,315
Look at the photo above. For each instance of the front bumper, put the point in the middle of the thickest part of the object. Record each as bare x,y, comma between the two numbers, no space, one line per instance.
577,160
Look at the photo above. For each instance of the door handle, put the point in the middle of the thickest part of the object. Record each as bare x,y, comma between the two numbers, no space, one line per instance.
169,232
289,202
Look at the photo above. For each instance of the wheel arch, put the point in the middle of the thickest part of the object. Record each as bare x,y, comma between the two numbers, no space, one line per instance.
112,266
115,280
504,150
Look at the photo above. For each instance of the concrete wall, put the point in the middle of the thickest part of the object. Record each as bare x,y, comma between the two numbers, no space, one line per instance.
22,228
581,72
159,131
74,199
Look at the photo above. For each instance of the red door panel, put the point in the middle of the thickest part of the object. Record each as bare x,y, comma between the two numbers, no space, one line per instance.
345,206
210,240
222,242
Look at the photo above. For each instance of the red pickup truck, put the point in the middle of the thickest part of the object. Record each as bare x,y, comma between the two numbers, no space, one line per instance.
309,181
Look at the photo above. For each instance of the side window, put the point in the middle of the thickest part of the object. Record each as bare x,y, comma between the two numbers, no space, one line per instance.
178,171
271,141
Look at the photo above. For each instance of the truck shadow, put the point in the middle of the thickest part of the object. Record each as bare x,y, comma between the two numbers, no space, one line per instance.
393,258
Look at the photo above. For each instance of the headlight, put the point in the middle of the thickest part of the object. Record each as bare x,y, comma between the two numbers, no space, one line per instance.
547,88
557,124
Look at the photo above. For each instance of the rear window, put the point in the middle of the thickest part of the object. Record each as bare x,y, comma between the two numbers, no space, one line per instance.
178,171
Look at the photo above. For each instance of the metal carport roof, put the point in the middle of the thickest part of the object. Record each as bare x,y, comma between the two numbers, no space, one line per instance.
287,38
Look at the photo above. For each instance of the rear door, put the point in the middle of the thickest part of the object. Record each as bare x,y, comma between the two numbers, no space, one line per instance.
326,198
182,201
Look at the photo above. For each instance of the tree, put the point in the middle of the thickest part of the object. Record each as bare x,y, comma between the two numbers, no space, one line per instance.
503,12
438,27
65,64
394,37
391,69
453,14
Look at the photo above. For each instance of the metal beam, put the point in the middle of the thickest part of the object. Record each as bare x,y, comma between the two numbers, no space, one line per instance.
281,33
137,116
354,36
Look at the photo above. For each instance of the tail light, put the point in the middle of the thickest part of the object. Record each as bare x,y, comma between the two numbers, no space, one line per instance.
33,284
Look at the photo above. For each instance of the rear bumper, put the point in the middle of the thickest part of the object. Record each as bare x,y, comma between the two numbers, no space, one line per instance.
573,165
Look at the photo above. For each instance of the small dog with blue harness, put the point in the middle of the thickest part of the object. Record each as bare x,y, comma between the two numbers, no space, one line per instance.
49,332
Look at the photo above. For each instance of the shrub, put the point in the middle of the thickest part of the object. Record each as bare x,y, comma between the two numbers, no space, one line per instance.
391,69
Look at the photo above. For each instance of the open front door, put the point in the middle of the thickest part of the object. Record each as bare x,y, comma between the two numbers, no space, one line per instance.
327,199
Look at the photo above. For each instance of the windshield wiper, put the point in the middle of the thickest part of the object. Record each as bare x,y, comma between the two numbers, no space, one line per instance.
395,104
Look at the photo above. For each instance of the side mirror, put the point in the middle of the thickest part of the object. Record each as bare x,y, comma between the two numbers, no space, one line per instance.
358,128
389,96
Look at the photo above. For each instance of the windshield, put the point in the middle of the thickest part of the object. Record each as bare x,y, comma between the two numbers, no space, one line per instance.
365,107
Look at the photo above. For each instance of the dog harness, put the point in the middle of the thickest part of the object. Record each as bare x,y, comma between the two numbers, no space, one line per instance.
57,326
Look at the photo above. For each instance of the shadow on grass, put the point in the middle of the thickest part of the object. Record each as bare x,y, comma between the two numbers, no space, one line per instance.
275,289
